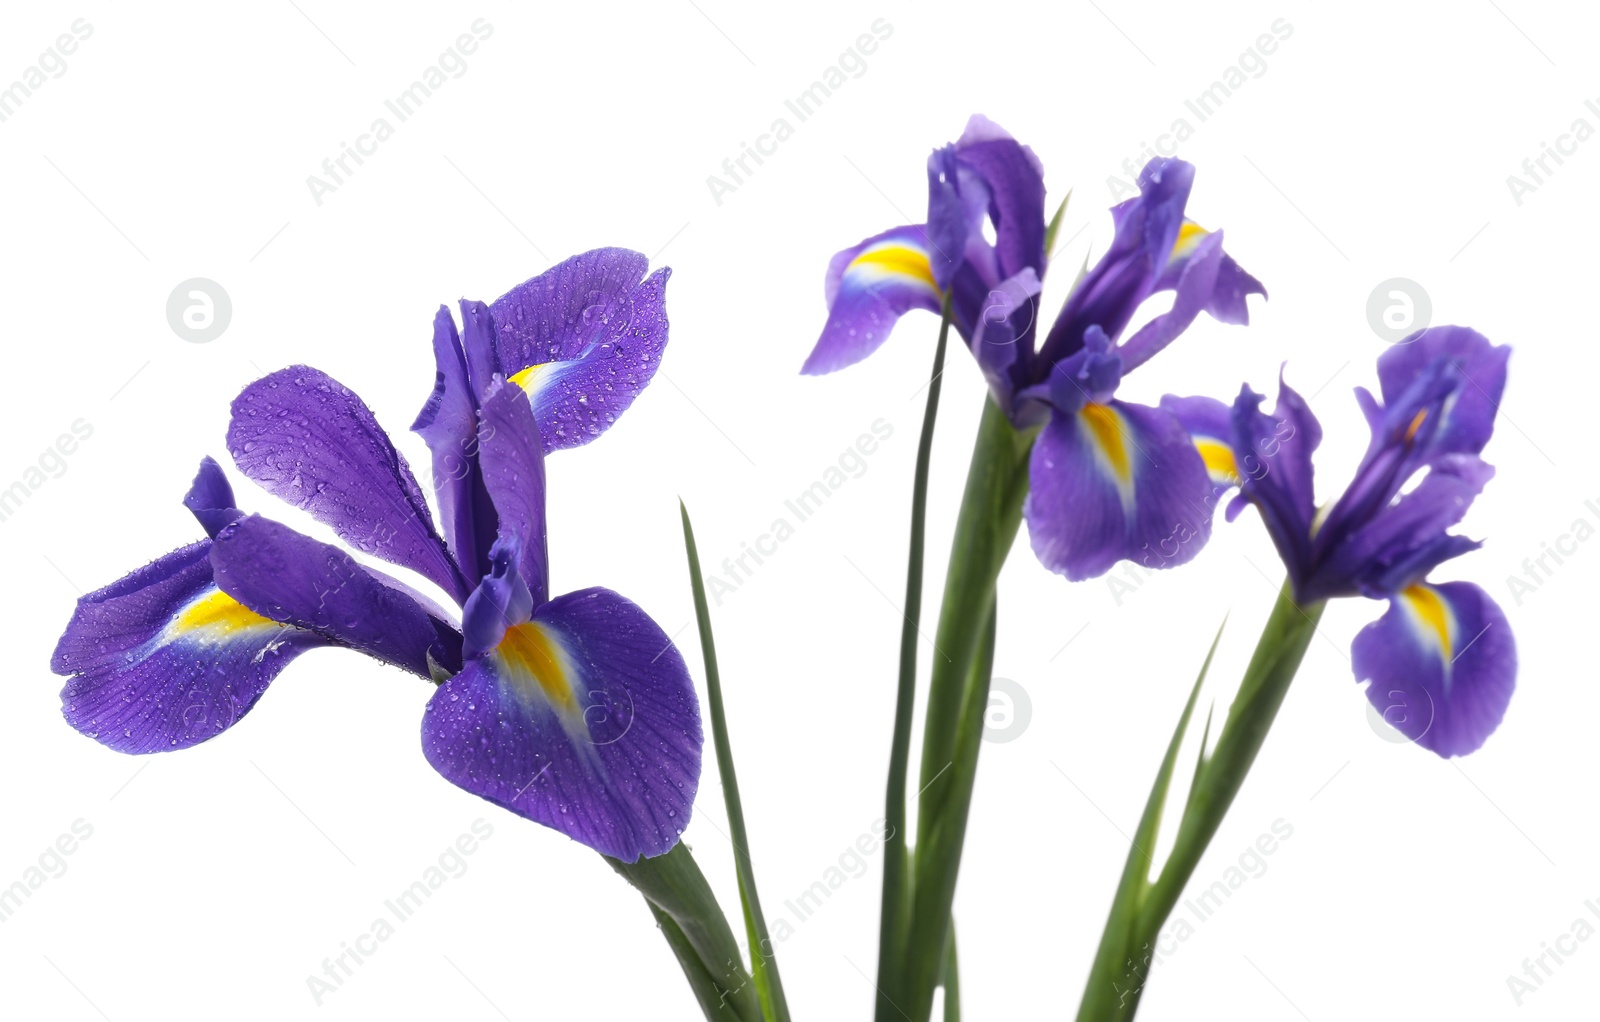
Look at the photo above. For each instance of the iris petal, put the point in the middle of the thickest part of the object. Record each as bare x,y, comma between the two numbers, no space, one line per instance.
163,660
312,442
292,578
583,719
448,424
869,287
1116,481
583,338
1481,367
513,473
1442,665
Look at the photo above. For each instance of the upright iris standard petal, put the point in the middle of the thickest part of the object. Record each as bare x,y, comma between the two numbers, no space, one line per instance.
1468,418
163,659
1147,229
583,339
448,424
210,498
583,719
1014,179
869,287
1195,285
1272,455
513,473
310,441
1116,481
291,578
1441,663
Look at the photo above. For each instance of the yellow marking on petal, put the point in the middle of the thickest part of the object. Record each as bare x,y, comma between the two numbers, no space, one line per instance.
1219,459
529,378
901,260
1189,236
220,616
1430,610
1416,424
530,654
1106,426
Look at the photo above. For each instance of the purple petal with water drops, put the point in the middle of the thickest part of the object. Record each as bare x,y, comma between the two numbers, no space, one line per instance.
162,659
583,339
210,498
583,719
448,424
501,602
1112,482
513,473
1442,664
312,442
291,578
868,288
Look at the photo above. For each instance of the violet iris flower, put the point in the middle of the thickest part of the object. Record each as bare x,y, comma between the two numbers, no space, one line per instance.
1110,480
1441,661
576,712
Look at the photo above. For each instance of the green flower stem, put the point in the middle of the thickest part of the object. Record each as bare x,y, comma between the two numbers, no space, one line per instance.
699,934
895,914
764,962
986,527
1140,907
952,979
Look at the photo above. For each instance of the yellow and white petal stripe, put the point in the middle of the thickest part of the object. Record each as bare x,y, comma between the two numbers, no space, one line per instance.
1221,465
532,663
1108,436
214,617
1189,235
892,260
1433,619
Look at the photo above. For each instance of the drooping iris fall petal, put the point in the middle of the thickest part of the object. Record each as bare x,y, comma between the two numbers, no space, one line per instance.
582,718
162,659
1116,481
583,339
868,288
1441,665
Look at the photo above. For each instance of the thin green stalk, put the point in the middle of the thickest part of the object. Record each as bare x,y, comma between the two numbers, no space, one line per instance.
939,842
895,914
674,888
986,527
1118,977
763,957
951,980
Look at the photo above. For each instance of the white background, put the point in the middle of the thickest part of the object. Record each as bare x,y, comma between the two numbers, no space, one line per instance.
1376,144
